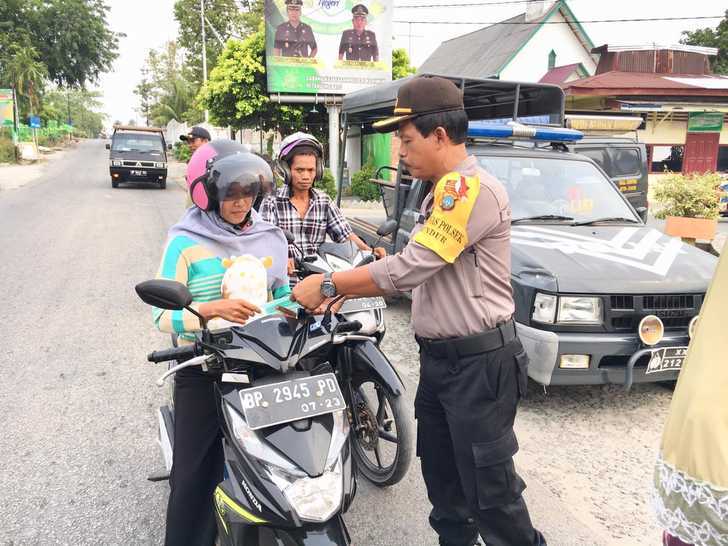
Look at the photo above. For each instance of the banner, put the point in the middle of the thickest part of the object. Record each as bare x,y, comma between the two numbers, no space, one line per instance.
6,107
327,46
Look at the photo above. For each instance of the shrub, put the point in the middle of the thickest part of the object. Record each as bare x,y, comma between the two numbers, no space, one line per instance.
7,150
327,184
362,187
691,196
182,152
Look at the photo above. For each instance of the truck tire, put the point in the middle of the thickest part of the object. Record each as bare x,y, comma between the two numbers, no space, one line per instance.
114,183
163,184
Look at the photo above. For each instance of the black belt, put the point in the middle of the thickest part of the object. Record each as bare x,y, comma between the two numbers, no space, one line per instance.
490,340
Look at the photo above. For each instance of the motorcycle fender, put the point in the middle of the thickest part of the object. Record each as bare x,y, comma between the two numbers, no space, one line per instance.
331,533
367,359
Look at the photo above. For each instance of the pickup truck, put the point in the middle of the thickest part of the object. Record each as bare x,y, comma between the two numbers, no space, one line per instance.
138,154
600,296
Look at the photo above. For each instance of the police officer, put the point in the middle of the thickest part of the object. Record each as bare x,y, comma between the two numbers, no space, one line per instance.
359,44
473,369
294,38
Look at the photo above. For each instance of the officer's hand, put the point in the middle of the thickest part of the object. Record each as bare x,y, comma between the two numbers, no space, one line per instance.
379,252
321,309
308,292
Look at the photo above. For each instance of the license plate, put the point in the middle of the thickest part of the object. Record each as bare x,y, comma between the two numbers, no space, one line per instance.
139,173
667,359
288,401
363,304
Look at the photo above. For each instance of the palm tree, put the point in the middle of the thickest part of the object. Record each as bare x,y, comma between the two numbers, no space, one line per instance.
174,102
26,74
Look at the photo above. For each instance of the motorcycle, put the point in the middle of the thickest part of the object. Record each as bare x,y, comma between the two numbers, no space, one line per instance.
288,473
379,417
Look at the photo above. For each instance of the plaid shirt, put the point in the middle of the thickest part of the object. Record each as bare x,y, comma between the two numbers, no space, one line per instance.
322,218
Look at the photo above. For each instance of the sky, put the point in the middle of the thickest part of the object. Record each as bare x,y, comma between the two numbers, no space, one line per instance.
149,24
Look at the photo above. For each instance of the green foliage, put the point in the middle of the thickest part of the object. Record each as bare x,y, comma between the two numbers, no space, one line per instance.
709,37
24,71
85,110
327,184
7,150
72,37
182,151
691,196
236,92
224,16
361,186
401,67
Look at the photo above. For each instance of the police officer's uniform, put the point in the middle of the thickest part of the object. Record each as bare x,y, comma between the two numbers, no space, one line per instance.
473,369
298,41
359,47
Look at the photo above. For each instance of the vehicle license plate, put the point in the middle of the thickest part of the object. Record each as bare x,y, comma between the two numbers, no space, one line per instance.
288,401
363,304
667,359
139,173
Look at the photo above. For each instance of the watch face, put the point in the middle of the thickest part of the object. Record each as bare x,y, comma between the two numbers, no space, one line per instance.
328,289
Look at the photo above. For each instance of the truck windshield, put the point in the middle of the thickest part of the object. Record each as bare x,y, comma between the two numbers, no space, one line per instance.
137,142
557,190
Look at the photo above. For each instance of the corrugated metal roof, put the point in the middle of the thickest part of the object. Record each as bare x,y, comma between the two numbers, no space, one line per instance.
640,83
480,54
559,74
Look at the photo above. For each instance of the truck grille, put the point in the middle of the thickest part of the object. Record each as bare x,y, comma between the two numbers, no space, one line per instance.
675,310
138,164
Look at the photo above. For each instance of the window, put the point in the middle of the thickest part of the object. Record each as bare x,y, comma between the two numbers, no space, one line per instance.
552,59
723,159
625,162
598,155
667,158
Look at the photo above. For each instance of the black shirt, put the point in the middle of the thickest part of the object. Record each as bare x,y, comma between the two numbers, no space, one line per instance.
295,41
359,47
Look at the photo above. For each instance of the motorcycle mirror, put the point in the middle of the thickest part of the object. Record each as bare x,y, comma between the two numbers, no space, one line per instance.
167,294
387,228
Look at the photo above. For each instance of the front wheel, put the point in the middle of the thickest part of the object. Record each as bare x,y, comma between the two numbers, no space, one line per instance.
163,184
382,443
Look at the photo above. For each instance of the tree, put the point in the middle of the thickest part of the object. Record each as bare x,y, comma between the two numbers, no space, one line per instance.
709,37
224,16
26,74
144,91
85,110
236,92
72,37
401,67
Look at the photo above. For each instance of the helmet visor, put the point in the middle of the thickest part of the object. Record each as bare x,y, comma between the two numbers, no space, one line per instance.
240,176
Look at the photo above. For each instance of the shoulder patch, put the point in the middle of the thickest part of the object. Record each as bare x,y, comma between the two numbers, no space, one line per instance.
445,231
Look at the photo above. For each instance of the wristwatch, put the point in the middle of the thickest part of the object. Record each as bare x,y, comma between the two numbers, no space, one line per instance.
328,288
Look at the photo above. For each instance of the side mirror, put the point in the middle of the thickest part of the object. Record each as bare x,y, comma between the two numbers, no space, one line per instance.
387,228
164,294
642,212
169,146
108,146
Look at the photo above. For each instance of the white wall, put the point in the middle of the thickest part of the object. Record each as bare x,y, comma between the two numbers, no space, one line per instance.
532,62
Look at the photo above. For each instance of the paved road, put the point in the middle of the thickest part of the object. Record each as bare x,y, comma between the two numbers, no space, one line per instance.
78,398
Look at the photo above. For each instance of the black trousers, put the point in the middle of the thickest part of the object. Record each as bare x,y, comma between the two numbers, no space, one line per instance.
197,464
465,408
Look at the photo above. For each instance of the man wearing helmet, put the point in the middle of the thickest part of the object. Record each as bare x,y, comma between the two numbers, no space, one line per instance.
298,207
224,181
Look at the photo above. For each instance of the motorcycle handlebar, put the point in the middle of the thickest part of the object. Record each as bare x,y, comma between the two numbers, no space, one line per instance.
178,353
349,326
369,258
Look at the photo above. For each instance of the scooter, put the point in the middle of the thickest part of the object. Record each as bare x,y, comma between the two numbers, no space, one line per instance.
379,416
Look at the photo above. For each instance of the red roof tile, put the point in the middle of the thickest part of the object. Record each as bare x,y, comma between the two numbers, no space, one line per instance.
640,83
559,74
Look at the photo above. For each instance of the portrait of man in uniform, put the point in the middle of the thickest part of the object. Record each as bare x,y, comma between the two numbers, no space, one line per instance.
294,38
359,44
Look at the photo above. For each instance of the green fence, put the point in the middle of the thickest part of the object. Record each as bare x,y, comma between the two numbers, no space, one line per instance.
52,133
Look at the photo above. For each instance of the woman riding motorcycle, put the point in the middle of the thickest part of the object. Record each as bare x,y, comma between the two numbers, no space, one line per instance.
225,181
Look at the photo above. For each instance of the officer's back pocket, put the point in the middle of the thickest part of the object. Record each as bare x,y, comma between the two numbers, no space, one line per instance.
496,480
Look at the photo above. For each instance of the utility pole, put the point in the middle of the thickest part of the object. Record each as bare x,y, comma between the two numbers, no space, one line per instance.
204,52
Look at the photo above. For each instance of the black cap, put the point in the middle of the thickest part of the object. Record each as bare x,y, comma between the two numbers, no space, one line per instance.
298,3
196,132
419,96
360,9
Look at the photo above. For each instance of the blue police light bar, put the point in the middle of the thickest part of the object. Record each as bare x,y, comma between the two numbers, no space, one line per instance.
523,132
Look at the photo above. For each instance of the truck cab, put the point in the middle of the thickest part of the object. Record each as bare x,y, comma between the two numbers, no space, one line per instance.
138,154
600,297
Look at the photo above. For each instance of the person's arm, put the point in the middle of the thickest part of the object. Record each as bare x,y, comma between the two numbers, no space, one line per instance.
379,251
376,48
337,226
175,267
342,47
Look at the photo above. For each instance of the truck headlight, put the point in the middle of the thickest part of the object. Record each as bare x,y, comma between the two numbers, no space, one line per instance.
544,308
160,165
115,163
651,330
580,310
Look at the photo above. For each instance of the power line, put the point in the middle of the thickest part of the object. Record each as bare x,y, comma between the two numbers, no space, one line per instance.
567,22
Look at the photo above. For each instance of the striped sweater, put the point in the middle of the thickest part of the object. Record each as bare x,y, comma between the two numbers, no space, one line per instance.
190,263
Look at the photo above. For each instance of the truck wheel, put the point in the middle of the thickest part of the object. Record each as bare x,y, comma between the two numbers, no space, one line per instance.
163,184
114,183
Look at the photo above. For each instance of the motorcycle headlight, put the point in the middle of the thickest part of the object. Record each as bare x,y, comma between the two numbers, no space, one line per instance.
317,499
249,442
337,264
544,308
580,310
